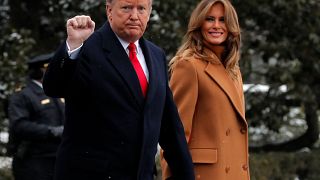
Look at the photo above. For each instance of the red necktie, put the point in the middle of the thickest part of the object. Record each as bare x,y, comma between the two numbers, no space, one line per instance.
137,67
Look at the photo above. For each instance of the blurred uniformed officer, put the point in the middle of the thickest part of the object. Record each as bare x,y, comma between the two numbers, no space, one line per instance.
36,125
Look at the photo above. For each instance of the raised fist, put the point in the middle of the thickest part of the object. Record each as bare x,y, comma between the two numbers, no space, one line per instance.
79,28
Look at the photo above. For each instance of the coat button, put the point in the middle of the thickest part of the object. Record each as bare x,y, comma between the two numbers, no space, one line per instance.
227,169
198,176
243,130
228,132
245,167
109,177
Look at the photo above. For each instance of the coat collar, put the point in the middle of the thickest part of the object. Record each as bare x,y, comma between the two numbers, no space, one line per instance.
119,59
34,86
218,73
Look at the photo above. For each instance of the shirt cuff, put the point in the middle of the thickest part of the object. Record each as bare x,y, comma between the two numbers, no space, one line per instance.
73,54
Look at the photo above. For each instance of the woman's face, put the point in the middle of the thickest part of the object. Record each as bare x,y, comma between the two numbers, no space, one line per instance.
214,29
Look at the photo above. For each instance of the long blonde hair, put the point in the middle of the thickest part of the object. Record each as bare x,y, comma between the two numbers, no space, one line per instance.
193,45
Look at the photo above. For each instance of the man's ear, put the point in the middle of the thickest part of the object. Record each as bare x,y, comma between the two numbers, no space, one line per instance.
108,12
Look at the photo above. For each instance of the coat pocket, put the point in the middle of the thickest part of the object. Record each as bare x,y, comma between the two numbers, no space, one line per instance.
204,155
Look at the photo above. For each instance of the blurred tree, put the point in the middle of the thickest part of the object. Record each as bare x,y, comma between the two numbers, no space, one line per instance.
14,45
169,23
46,19
281,48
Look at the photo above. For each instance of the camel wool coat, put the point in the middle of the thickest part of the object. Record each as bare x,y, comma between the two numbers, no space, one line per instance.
211,107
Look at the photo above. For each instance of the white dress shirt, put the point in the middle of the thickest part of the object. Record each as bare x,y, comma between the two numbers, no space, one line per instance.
74,54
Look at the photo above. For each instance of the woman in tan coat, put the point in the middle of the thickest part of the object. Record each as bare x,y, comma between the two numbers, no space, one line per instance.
207,87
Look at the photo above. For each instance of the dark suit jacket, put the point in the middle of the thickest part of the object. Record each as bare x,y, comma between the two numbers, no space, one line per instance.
111,130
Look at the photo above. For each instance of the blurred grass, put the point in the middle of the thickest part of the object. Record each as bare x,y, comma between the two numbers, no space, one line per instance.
304,165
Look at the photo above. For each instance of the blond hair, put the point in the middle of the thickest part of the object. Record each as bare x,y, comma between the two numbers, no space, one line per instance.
193,45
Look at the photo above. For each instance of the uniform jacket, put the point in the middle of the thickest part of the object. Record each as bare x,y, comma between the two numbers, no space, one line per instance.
111,130
31,114
211,107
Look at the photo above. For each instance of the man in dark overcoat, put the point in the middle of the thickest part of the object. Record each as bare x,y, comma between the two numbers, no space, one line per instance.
118,102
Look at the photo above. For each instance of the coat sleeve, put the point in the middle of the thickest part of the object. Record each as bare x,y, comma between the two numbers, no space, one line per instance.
59,73
21,124
184,86
173,142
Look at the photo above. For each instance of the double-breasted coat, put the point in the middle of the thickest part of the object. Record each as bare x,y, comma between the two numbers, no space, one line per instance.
211,107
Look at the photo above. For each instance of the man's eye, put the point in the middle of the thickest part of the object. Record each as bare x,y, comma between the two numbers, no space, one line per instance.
141,8
126,8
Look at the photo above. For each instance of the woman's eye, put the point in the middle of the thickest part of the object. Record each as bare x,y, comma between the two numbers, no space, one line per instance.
209,19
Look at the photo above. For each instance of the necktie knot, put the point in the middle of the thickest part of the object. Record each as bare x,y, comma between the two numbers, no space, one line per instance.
132,48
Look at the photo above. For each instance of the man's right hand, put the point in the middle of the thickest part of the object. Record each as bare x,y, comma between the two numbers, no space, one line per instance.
79,28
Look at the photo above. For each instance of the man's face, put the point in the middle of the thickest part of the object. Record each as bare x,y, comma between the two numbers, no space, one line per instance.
129,18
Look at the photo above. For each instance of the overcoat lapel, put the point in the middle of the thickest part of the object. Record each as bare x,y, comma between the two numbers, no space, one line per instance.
121,62
218,73
151,64
35,88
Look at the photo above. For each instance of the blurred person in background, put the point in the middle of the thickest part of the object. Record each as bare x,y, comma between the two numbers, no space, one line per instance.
207,87
35,126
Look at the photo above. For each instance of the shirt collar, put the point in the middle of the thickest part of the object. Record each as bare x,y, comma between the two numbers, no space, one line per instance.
125,44
37,83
